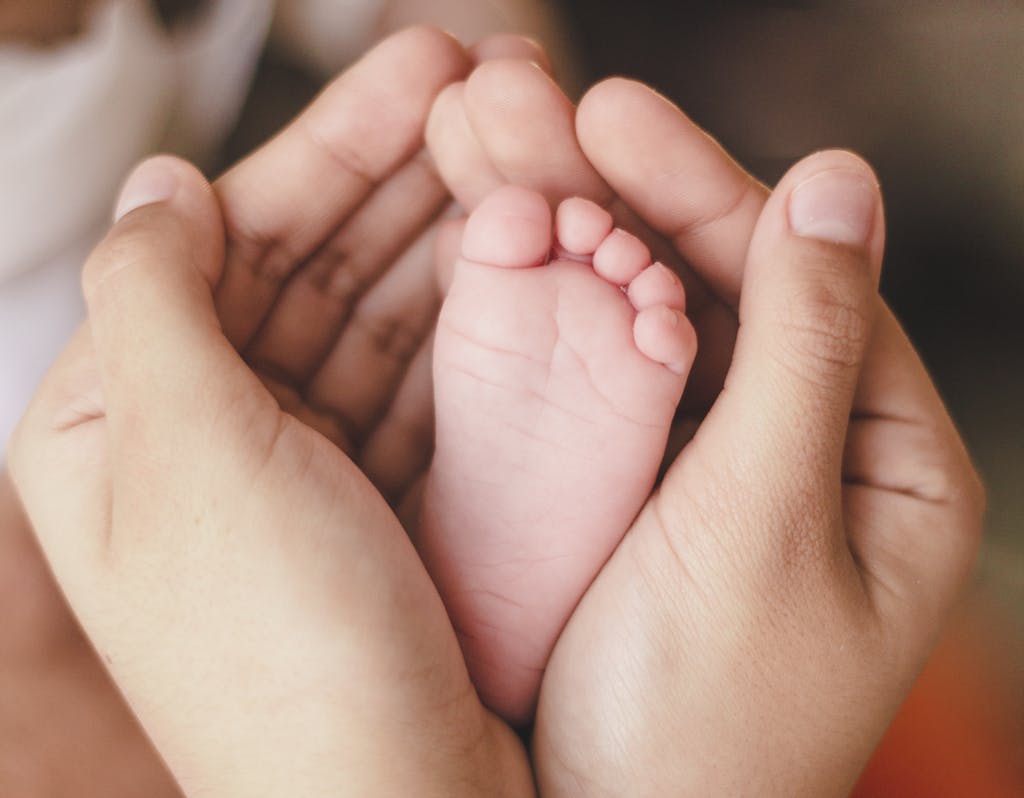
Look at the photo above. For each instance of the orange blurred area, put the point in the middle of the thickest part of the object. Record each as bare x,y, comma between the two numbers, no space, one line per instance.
960,733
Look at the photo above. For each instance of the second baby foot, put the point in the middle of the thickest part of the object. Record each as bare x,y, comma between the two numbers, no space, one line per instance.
556,382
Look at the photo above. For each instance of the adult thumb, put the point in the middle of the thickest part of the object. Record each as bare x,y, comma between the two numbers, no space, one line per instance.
161,356
807,308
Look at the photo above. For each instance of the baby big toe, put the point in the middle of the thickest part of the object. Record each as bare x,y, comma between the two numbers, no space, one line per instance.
510,229
665,335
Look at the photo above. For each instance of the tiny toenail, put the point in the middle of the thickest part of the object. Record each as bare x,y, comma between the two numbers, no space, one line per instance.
672,316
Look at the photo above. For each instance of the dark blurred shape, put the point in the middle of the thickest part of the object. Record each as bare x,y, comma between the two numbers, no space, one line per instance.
179,12
41,22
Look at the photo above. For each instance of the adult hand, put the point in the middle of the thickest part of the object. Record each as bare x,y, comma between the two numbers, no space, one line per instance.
762,620
64,730
176,500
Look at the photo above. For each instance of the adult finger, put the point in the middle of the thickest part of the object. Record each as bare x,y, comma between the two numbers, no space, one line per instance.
806,316
312,313
283,201
677,178
363,370
525,124
401,445
161,355
511,46
904,456
458,155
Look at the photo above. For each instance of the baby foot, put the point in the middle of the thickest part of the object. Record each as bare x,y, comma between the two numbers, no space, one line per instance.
555,385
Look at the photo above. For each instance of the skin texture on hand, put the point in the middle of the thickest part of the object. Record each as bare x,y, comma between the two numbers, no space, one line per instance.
253,595
764,617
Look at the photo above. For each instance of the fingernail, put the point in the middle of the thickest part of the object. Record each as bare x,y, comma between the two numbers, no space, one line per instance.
152,181
836,206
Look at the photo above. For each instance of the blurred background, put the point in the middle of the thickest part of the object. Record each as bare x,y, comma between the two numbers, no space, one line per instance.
932,93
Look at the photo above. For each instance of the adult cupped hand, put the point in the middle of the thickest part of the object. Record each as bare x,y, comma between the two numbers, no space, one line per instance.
761,621
254,596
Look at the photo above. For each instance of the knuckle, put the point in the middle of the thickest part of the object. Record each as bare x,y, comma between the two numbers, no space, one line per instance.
391,336
947,474
827,323
144,238
261,252
341,272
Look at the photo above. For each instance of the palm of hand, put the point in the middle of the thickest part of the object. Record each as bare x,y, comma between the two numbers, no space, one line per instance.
340,333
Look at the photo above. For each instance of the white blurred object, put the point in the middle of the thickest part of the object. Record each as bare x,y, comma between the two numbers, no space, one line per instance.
73,121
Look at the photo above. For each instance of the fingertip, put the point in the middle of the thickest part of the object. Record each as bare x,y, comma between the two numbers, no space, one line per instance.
154,180
431,45
164,202
610,96
503,77
511,46
836,158
834,198
164,179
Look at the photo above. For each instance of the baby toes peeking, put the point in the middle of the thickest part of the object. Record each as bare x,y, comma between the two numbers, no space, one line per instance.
560,357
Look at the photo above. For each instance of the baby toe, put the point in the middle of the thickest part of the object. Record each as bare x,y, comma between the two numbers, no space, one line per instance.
510,229
581,226
657,285
666,336
621,257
